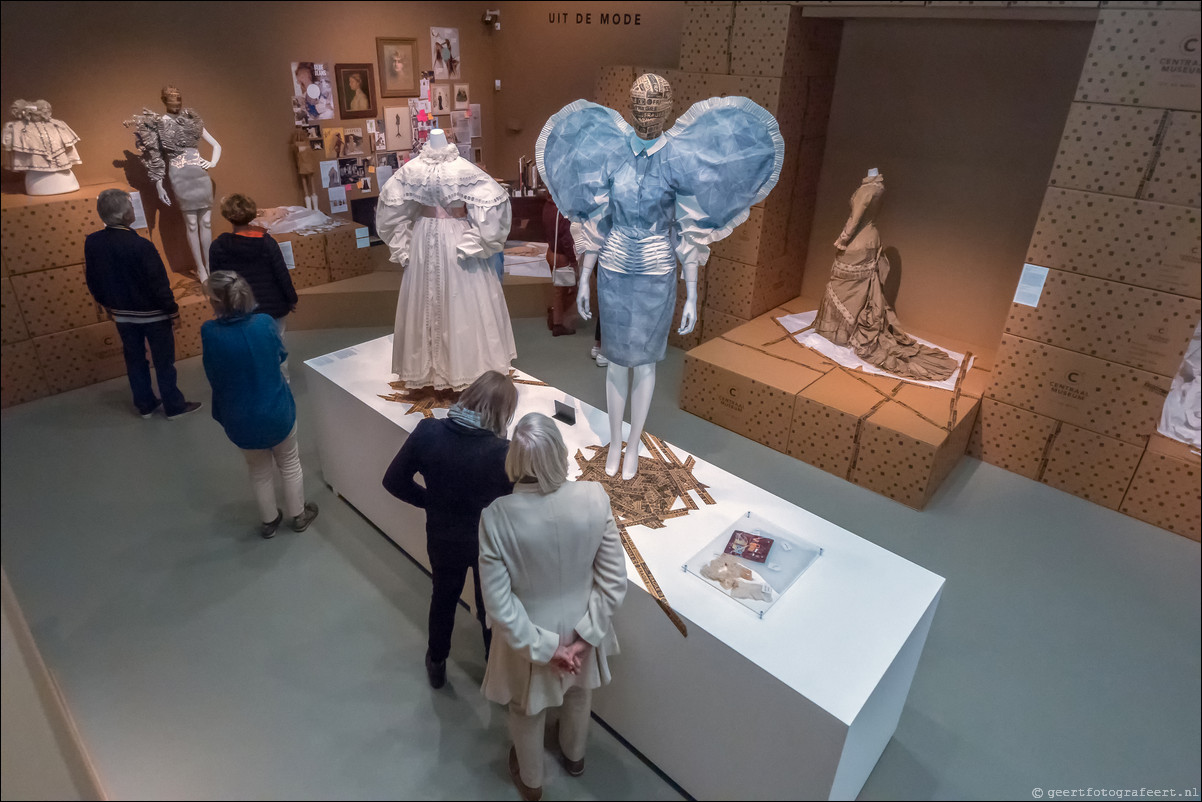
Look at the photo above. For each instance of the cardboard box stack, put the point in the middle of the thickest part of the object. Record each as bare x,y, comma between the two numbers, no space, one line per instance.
55,337
1110,294
893,437
785,62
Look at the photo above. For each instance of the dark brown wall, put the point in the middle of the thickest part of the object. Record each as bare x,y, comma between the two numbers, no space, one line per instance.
545,65
963,118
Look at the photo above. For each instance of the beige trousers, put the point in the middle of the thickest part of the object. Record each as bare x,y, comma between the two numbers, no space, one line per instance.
527,733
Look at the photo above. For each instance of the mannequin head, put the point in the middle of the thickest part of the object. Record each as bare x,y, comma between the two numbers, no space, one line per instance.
172,99
650,105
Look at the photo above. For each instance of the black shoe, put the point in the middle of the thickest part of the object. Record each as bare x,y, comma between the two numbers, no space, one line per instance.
436,670
146,415
301,522
267,529
188,409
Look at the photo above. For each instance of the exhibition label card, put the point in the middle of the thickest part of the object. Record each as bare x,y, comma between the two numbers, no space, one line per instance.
139,212
362,238
329,173
1030,285
289,257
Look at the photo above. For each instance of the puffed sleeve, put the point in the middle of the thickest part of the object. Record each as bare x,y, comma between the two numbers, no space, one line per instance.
609,576
146,139
395,217
505,610
723,156
577,152
488,232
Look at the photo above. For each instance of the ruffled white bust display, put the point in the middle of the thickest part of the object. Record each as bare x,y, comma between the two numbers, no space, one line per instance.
446,221
41,147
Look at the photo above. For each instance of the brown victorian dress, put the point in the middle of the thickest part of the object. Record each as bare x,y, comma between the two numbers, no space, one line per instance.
854,311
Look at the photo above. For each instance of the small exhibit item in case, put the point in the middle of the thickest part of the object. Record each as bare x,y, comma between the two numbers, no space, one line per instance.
752,547
753,561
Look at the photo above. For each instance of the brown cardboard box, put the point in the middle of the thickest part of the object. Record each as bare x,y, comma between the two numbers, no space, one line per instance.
903,454
760,39
43,231
765,334
1101,396
12,324
746,243
193,311
1106,148
21,376
344,257
612,87
715,323
79,357
309,251
1089,465
743,390
1166,489
1014,439
826,421
747,291
1141,328
705,38
688,87
56,299
1133,60
1122,239
1174,177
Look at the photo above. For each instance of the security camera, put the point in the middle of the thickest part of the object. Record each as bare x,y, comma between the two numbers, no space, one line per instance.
492,19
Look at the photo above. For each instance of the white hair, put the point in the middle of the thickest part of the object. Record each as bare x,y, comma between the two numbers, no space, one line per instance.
537,451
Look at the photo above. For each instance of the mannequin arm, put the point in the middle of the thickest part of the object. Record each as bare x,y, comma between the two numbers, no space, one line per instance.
688,317
162,192
583,292
204,133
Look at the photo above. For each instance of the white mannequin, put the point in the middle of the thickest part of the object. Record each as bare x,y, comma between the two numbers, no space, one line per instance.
41,182
198,224
438,138
650,115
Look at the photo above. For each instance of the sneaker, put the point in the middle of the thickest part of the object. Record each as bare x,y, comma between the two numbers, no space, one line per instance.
301,522
436,672
188,409
572,767
602,361
146,415
594,352
267,530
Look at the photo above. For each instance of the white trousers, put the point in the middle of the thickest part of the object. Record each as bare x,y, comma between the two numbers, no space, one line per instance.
263,463
527,733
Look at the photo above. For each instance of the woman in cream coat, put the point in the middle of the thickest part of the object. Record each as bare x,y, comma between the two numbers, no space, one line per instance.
553,574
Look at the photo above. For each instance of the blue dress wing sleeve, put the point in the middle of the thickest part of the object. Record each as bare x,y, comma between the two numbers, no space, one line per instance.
723,156
576,153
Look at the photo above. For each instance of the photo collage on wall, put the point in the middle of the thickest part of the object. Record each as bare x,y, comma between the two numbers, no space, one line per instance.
364,132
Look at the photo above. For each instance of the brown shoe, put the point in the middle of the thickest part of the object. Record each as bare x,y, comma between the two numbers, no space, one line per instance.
573,767
529,794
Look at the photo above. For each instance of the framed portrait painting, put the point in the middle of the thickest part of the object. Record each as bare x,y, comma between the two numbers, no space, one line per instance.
356,90
399,73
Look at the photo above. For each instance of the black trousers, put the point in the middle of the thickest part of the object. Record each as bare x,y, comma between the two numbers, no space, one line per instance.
161,337
449,562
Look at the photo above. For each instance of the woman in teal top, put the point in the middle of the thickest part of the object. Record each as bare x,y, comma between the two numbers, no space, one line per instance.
251,399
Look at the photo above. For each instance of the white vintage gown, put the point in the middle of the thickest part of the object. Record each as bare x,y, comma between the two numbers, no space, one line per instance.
444,217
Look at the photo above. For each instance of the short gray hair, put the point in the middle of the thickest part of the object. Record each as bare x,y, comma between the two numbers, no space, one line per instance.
537,451
230,293
114,207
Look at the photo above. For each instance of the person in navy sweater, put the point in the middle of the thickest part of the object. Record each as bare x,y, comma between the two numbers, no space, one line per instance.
125,275
251,399
252,253
462,461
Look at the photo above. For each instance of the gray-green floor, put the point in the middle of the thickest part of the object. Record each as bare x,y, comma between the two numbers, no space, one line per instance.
201,661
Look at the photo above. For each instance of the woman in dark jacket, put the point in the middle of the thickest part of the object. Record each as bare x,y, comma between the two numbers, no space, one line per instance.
462,461
251,253
251,400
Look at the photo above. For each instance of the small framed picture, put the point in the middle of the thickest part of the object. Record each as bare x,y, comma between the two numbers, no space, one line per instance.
356,90
440,103
399,74
462,97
